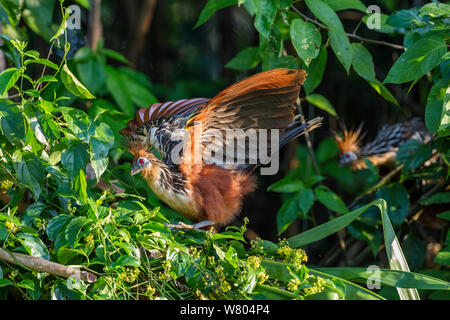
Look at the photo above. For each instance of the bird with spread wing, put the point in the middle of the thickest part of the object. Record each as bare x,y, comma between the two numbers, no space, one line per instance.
190,134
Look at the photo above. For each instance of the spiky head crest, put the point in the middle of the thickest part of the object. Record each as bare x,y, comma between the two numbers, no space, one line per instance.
350,140
137,147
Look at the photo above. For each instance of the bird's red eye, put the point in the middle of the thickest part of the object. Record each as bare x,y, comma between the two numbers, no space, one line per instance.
141,161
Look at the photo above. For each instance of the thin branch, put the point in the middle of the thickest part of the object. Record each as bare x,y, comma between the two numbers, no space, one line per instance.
350,35
42,265
307,138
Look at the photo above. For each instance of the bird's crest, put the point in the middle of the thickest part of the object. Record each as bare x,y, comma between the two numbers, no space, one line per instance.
350,140
137,147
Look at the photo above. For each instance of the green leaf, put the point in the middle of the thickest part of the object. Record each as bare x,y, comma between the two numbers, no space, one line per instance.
394,278
338,5
414,250
33,245
338,39
383,91
321,102
443,257
29,171
211,7
138,93
435,10
306,40
74,158
74,228
439,197
126,261
117,88
305,200
397,199
92,73
44,62
11,122
246,59
363,62
79,122
63,25
330,200
5,282
413,154
38,15
73,84
265,16
8,79
57,225
434,109
287,214
287,184
315,71
419,59
79,185
384,27
114,55
273,293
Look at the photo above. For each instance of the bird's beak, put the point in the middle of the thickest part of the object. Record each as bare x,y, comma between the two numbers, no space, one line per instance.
135,170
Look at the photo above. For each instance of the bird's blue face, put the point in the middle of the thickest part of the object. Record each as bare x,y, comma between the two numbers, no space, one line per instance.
140,164
347,158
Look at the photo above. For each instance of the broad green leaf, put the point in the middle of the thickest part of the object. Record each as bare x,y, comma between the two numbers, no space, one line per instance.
287,214
444,128
435,10
439,197
74,158
265,16
79,185
338,5
331,200
338,39
44,62
73,84
33,245
306,40
246,59
384,27
8,79
79,122
315,71
38,15
92,73
305,200
211,7
118,90
114,55
11,122
321,102
413,154
287,184
74,228
435,105
443,257
139,94
363,62
57,225
29,171
397,199
126,261
394,278
383,91
419,59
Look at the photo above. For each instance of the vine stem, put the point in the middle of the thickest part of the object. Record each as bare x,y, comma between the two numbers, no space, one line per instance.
350,35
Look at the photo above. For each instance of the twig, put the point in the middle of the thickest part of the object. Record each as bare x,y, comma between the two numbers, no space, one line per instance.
42,265
307,138
350,35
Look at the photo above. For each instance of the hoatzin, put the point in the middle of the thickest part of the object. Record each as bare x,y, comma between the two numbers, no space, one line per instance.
382,151
210,190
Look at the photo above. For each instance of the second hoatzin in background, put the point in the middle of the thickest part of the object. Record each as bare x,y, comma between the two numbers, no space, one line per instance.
382,151
211,191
